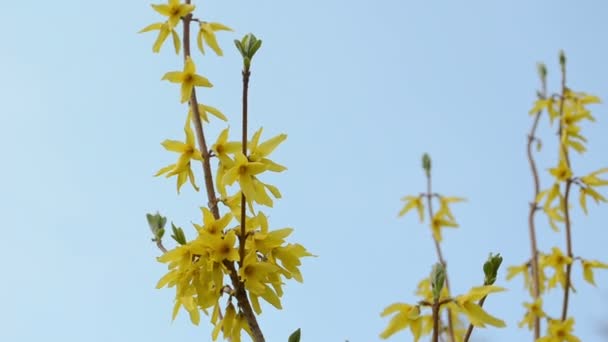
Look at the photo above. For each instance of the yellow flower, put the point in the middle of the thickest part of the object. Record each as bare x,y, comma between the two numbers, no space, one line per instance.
534,311
558,261
211,225
244,172
254,273
206,33
204,109
258,152
223,148
559,331
222,247
289,256
548,104
588,266
405,316
188,79
444,208
163,32
439,222
412,202
174,10
467,304
562,172
187,151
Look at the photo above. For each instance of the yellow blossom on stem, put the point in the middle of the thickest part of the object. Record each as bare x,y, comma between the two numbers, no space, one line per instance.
438,222
206,33
545,104
558,261
562,172
588,266
244,172
211,225
412,202
163,32
468,304
174,10
258,152
188,79
534,310
187,151
559,331
204,109
223,148
222,247
290,256
444,208
405,316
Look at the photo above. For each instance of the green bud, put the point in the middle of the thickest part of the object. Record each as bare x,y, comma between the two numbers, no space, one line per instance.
248,46
178,234
562,58
490,268
426,163
542,71
437,280
157,225
295,336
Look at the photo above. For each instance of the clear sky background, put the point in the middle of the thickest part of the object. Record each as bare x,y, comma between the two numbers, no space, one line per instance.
362,88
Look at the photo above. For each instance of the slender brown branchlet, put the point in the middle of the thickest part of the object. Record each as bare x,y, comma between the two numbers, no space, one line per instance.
243,236
428,196
533,204
567,223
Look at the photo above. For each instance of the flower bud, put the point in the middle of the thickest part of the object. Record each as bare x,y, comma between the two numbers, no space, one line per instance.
437,280
490,268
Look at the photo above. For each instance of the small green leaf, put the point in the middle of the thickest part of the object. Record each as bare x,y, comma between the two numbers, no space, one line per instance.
178,234
490,268
239,46
255,47
437,280
295,336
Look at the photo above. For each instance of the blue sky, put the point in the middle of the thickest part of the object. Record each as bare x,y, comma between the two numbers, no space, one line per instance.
362,88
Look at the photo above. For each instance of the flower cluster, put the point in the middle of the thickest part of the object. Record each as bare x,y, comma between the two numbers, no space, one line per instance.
544,271
234,259
434,292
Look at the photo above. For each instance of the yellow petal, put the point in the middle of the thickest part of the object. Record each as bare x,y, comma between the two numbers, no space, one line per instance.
209,37
155,26
176,41
174,76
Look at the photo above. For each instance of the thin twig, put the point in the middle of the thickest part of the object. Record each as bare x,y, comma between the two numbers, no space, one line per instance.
569,250
532,212
435,322
243,236
429,194
566,196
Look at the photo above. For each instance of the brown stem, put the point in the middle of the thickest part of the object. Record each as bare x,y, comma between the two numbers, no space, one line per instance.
243,236
532,212
471,326
435,322
160,246
566,197
239,286
439,253
569,250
